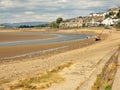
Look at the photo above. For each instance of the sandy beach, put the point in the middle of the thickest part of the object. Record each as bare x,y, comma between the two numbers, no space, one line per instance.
90,53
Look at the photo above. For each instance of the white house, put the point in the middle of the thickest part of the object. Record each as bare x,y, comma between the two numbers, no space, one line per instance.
115,20
108,21
97,14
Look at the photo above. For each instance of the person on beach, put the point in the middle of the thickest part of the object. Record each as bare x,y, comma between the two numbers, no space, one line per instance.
87,37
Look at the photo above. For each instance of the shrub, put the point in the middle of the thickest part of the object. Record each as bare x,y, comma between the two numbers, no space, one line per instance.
108,87
118,24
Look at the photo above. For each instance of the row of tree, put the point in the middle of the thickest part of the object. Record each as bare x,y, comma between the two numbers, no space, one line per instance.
25,26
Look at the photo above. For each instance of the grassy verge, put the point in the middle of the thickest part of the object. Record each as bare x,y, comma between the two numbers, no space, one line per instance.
105,79
41,80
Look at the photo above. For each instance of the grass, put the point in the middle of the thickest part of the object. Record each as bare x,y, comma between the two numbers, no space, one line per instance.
61,67
108,87
105,79
97,84
41,80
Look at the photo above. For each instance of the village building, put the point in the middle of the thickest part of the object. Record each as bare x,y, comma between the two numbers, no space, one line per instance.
97,14
108,21
112,20
72,23
82,22
114,10
94,19
116,20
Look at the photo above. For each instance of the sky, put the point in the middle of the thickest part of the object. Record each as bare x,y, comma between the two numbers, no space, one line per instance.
12,11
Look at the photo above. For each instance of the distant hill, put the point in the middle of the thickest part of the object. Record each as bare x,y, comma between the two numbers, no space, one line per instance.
23,23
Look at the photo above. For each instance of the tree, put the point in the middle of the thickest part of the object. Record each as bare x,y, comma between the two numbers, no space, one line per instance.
56,23
107,16
111,13
118,24
58,20
118,14
53,25
41,25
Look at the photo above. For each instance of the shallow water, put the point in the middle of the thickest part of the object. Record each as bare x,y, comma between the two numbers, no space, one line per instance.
59,38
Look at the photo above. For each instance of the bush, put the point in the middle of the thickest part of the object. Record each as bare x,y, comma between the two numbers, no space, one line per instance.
53,25
118,24
108,87
107,16
118,14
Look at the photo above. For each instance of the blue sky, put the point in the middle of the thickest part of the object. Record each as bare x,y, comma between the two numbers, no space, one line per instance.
12,11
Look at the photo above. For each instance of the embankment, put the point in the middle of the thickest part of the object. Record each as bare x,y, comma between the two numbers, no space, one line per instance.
103,76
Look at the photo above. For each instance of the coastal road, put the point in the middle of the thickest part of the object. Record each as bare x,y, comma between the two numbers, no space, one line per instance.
18,47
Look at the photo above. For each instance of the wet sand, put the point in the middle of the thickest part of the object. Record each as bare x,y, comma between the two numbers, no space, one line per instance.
11,51
7,52
16,37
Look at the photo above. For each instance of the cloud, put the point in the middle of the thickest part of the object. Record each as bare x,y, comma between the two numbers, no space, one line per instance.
6,3
10,3
49,10
29,12
63,1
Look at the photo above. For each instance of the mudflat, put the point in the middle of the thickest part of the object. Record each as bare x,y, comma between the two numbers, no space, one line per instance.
11,36
11,51
7,51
